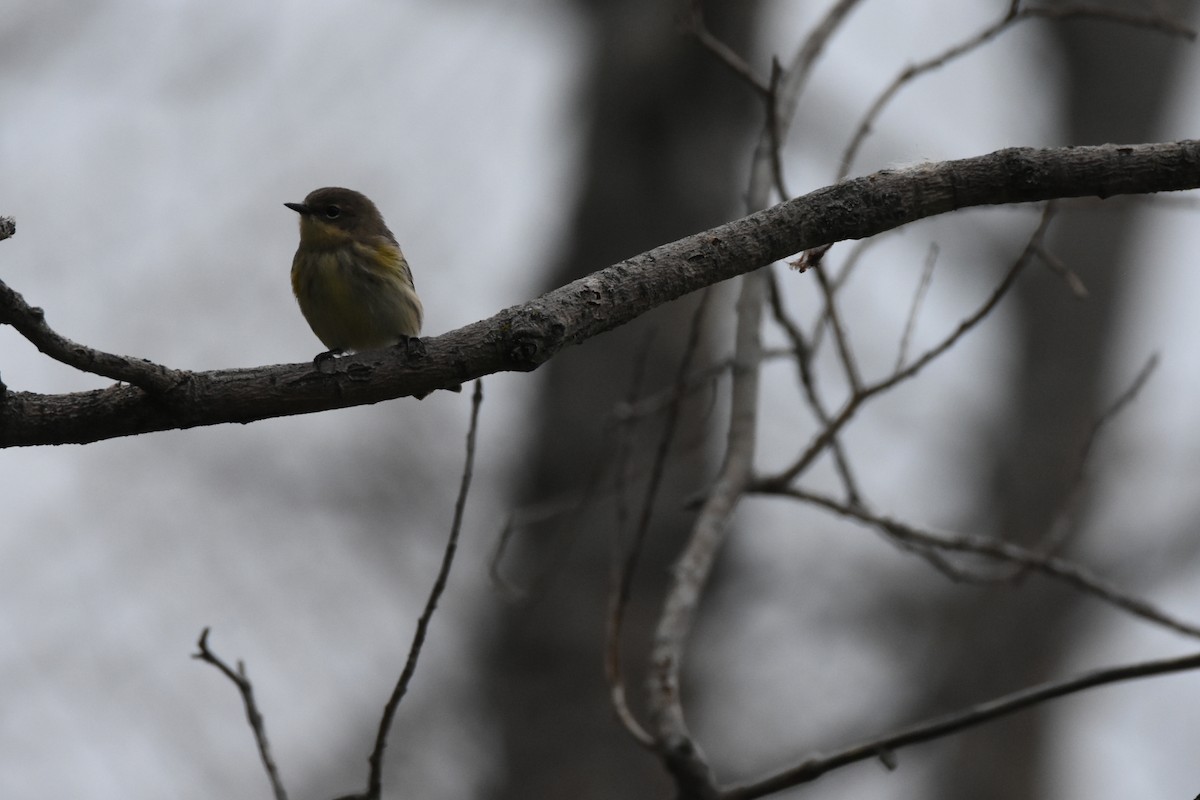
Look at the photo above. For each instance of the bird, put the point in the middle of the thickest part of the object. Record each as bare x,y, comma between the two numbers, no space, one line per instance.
349,276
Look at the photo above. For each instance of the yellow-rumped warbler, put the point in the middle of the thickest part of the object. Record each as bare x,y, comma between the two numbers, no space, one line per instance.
351,280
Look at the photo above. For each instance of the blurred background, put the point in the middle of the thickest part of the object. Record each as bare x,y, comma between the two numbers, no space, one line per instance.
146,151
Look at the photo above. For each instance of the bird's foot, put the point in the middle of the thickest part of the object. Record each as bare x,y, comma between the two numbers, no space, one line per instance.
327,357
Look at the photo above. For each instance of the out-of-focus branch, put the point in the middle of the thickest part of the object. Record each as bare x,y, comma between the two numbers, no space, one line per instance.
802,355
625,568
1000,550
1012,16
375,776
883,747
914,310
1061,523
786,87
679,751
866,392
526,336
242,681
695,25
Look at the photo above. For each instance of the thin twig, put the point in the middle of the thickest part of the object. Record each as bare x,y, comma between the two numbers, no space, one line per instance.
1010,277
623,469
620,570
913,71
1060,526
679,751
242,681
1012,16
30,322
724,53
623,578
782,98
495,574
1060,268
910,324
540,513
1154,22
822,439
774,131
841,337
801,66
676,746
882,747
852,260
808,380
1059,569
375,777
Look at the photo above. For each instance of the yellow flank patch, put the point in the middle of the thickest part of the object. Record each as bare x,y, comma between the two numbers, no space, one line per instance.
356,296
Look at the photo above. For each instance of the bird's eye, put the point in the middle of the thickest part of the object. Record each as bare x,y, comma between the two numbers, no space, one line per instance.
333,212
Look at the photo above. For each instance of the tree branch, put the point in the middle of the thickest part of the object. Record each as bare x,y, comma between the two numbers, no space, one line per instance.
242,681
679,751
1060,569
30,322
817,765
524,337
375,774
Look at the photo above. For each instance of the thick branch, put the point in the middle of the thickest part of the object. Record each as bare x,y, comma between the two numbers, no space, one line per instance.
524,337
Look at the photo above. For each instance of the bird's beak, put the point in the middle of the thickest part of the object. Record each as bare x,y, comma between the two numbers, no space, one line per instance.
299,208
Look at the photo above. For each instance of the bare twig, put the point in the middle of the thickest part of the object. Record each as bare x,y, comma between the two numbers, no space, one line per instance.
851,262
1060,525
1154,22
529,516
910,324
802,63
679,751
675,744
841,336
780,93
30,322
695,25
625,569
911,73
1121,403
883,747
1010,277
704,378
1057,568
775,131
375,776
495,574
782,97
627,435
242,681
808,380
621,569
1060,268
1013,15
822,439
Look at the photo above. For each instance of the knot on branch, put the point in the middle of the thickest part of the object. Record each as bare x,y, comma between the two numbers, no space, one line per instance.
532,339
